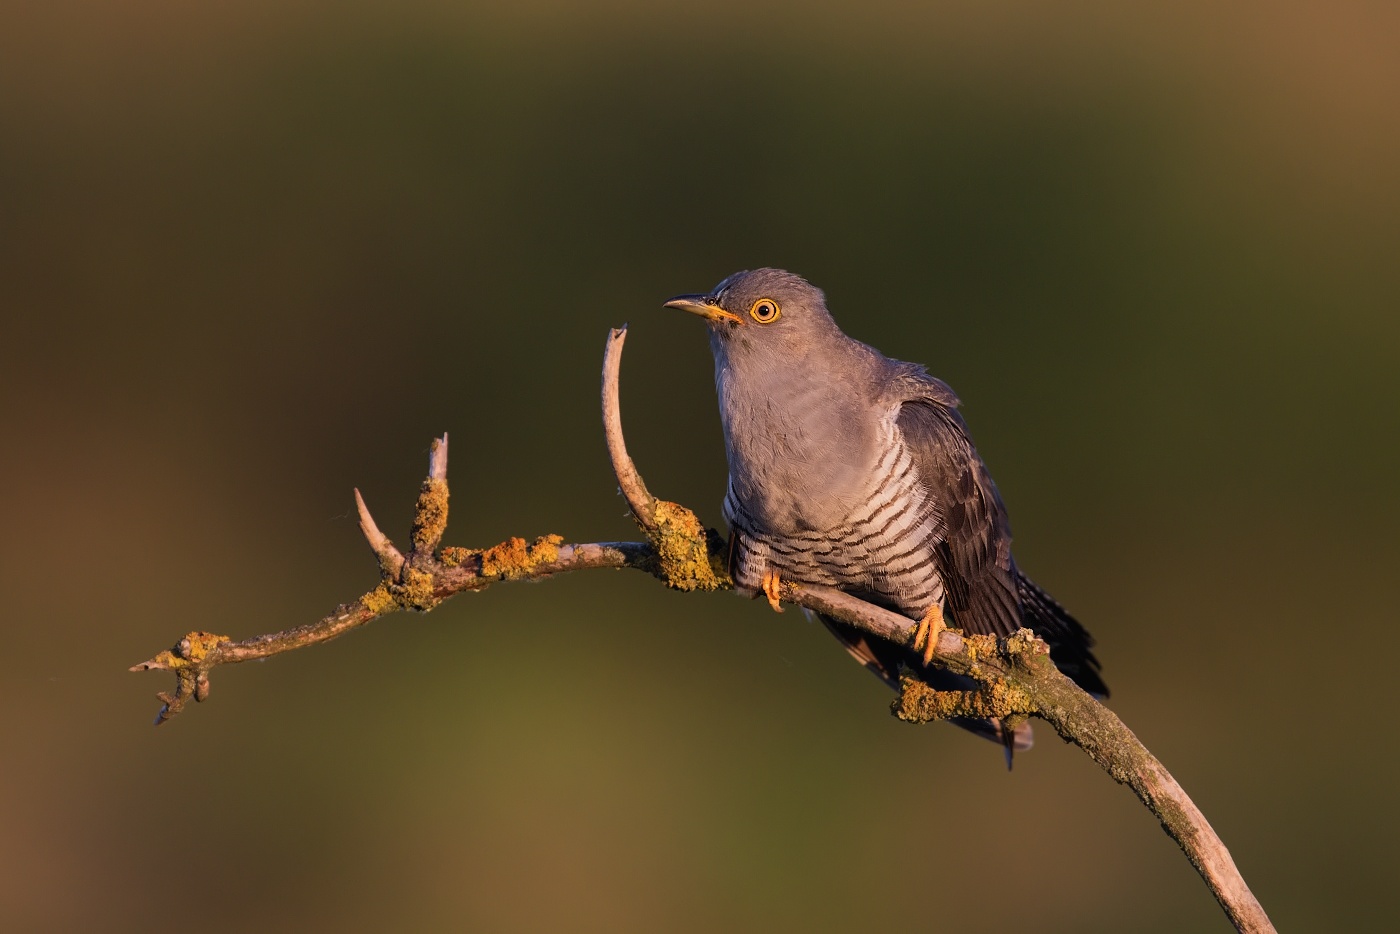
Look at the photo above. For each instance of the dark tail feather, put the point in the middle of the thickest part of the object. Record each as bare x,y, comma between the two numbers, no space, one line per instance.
1071,648
1008,741
1070,643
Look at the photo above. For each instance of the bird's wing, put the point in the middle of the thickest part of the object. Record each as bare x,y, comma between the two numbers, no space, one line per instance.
986,591
974,556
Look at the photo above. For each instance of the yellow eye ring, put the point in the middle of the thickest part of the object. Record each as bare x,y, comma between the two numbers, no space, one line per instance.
764,311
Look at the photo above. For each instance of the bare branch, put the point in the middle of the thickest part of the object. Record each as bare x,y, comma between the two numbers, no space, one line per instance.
873,619
641,502
437,458
1018,677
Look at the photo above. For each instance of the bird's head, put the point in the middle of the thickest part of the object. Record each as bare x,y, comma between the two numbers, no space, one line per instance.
762,314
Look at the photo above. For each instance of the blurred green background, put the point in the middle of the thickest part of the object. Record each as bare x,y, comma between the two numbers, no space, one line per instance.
256,253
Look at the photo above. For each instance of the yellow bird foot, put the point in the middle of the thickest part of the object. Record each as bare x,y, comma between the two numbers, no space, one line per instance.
772,588
926,633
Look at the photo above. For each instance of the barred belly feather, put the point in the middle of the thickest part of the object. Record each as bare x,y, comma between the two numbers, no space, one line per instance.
883,549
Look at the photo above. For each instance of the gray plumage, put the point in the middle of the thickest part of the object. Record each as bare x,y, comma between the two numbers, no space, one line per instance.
852,470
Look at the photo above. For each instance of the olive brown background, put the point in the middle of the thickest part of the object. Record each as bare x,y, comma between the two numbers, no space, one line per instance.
255,254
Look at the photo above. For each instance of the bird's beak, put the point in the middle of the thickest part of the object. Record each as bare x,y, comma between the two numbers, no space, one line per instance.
703,306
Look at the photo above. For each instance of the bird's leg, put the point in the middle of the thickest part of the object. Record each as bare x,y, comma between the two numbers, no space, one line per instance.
772,584
926,633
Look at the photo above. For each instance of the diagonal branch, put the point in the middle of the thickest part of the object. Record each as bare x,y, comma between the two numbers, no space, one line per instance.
1015,676
420,581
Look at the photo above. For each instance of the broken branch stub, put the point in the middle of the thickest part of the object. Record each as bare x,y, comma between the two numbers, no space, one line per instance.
430,513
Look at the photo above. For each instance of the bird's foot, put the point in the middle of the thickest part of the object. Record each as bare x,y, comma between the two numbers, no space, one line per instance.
926,633
772,588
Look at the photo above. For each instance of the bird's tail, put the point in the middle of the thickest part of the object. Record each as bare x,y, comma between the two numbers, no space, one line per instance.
1071,648
1070,643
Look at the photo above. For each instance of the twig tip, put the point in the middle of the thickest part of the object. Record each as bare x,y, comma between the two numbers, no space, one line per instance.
437,458
389,557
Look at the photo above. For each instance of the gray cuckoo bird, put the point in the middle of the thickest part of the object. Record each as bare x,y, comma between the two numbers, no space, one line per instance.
855,471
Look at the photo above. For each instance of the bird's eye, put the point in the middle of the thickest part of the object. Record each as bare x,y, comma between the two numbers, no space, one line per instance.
764,311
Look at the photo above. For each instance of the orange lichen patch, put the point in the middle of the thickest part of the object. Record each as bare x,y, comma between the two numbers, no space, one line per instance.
682,549
197,645
513,559
430,515
378,600
189,652
415,591
456,557
919,703
980,645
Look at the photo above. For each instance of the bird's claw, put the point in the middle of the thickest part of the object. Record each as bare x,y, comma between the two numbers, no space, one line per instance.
926,633
772,589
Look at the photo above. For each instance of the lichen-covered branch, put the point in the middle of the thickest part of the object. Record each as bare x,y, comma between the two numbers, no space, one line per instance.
419,581
1015,677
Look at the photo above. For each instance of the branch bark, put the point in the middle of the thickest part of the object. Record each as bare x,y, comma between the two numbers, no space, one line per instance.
1015,676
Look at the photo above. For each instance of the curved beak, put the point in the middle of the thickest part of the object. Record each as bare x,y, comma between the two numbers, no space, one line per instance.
704,306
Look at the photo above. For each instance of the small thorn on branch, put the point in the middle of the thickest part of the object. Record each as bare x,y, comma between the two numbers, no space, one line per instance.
390,558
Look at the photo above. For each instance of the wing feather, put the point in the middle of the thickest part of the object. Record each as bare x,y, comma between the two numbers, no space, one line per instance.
974,556
986,592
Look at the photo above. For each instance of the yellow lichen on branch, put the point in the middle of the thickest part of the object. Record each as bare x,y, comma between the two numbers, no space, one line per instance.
378,600
984,658
919,703
453,557
430,515
686,558
513,559
188,658
415,590
187,653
